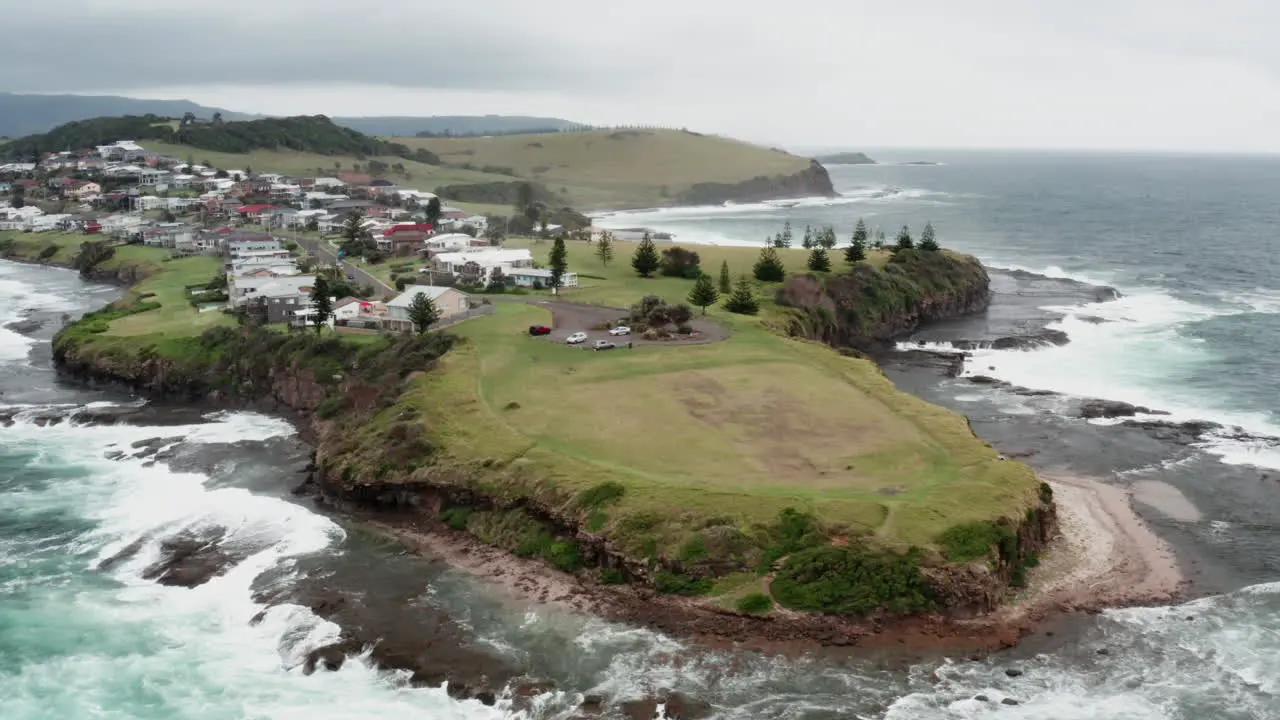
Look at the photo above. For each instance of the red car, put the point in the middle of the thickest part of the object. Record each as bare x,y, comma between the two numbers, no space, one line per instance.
539,330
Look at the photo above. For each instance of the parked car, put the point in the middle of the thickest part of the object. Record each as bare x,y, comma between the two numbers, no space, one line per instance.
539,330
620,330
604,345
576,338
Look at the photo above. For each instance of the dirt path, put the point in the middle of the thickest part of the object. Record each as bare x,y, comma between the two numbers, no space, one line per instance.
569,318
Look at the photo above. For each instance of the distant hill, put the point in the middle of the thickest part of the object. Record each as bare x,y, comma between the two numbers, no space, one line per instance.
315,134
634,168
22,115
845,158
397,126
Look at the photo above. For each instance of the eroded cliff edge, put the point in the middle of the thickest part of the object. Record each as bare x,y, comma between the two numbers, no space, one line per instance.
813,181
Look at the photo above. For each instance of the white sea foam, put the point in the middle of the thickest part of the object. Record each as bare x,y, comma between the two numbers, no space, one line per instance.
194,647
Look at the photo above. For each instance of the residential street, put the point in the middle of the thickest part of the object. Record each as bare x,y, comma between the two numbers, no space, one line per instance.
321,250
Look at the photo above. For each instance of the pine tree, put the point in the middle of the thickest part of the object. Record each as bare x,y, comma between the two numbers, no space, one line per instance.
725,286
786,237
604,248
927,240
433,212
704,293
423,313
827,238
769,267
818,260
321,302
559,261
743,300
857,250
645,260
879,243
904,241
807,243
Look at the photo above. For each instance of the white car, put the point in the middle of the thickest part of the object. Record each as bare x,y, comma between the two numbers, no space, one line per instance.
620,330
576,338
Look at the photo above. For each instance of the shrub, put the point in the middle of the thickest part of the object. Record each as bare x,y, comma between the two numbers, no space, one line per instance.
611,576
974,540
852,581
597,521
457,517
672,584
48,252
564,555
680,262
794,531
535,545
755,603
694,549
331,406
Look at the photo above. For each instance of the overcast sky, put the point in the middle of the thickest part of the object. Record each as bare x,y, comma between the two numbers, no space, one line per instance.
1104,74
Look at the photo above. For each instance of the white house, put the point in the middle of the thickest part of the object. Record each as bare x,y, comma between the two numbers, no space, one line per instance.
120,223
486,260
328,182
539,277
243,288
450,242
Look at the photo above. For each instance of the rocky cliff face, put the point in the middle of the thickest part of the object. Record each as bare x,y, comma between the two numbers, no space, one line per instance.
812,182
869,306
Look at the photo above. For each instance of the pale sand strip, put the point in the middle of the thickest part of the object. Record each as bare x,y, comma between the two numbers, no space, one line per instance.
1105,556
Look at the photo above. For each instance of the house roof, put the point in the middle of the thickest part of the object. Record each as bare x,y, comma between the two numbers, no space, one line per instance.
255,208
418,227
487,257
404,299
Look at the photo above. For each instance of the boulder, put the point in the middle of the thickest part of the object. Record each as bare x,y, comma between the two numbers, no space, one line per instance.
1091,409
191,559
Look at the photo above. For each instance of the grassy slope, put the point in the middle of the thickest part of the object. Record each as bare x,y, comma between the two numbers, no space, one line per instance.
626,168
741,428
165,278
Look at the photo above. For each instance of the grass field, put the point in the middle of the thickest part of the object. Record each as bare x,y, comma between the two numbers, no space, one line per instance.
618,285
617,168
165,278
738,429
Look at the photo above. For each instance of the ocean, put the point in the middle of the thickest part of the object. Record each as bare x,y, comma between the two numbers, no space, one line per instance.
85,508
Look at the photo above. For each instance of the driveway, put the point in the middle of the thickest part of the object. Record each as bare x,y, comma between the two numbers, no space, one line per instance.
321,250
569,318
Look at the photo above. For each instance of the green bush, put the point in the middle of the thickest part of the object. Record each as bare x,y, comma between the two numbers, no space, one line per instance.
974,540
672,584
694,549
610,576
48,252
565,556
535,545
331,406
755,603
597,521
457,517
794,531
852,581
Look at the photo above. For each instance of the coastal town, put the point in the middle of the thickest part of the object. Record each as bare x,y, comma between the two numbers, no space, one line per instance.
278,233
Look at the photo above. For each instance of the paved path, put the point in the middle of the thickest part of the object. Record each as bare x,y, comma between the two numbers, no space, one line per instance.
321,250
568,318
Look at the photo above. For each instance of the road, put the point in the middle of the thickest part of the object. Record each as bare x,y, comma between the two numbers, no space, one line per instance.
322,251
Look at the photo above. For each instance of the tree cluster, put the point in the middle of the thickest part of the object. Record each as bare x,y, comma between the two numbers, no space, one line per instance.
681,262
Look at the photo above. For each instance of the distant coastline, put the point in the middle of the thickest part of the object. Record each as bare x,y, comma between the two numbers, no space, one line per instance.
845,158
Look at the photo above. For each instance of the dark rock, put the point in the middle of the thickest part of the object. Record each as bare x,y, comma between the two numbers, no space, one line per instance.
592,705
113,454
644,709
191,559
1008,701
982,698
124,553
1012,672
1093,319
1185,433
329,658
1103,651
257,618
486,697
1091,409
985,380
25,327
1030,392
682,707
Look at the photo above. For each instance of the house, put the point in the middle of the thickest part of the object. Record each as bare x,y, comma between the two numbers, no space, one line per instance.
167,235
255,213
285,298
150,177
354,312
246,288
86,190
449,301
328,183
404,240
538,278
449,242
476,265
121,224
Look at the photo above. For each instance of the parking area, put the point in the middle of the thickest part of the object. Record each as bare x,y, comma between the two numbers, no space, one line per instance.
569,318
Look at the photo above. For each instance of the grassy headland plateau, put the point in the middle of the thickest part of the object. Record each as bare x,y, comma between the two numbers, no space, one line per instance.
757,470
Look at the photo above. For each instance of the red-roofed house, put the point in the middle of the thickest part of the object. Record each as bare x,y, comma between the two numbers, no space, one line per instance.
254,213
405,240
